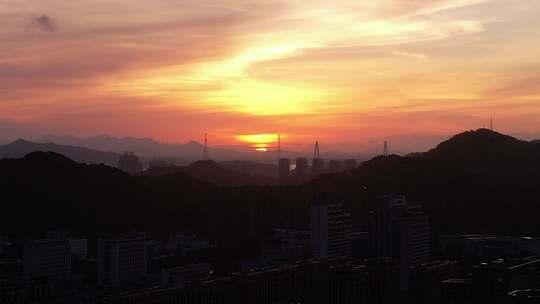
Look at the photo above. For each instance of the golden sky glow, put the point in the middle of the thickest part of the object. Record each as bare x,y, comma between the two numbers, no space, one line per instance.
349,73
260,142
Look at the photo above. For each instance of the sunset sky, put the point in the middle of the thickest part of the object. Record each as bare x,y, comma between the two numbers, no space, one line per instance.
349,73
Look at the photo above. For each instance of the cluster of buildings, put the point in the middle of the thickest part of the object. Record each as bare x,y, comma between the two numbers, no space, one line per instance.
129,162
310,281
331,261
302,171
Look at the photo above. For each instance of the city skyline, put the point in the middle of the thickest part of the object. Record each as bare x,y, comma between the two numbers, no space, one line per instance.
341,72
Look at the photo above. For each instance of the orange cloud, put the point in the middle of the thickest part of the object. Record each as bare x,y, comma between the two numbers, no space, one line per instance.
335,71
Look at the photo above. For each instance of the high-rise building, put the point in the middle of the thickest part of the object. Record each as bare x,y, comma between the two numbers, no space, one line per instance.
348,284
186,273
301,169
129,163
274,285
79,247
426,280
321,281
399,231
330,229
383,281
383,225
122,258
50,258
284,167
458,291
494,280
527,296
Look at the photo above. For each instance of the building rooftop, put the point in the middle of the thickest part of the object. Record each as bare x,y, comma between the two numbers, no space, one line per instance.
528,293
512,264
457,281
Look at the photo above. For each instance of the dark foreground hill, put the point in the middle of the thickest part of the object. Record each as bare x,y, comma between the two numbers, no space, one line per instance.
21,147
478,181
45,190
210,171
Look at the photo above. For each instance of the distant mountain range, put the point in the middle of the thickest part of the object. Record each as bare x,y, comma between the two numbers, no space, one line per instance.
20,148
210,171
180,153
144,147
227,173
148,148
478,181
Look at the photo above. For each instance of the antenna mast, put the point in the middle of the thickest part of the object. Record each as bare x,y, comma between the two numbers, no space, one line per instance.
279,146
205,149
491,123
385,153
316,154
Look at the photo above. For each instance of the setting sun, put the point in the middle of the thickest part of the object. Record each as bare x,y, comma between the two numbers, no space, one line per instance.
351,74
259,142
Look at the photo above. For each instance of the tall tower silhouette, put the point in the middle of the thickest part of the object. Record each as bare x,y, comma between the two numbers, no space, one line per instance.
205,149
318,162
385,152
491,123
279,146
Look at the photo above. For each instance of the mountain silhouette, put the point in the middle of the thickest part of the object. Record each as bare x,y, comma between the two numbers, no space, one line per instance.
251,168
481,144
44,190
147,148
142,146
212,172
185,153
21,147
477,181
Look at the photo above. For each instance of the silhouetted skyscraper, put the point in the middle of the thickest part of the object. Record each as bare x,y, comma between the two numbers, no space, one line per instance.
284,167
317,166
129,163
301,169
50,258
399,231
330,229
122,258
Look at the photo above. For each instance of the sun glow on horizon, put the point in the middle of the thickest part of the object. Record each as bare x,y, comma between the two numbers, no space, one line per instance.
349,73
258,138
259,142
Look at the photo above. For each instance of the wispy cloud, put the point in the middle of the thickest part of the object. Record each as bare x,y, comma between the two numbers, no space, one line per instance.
256,64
